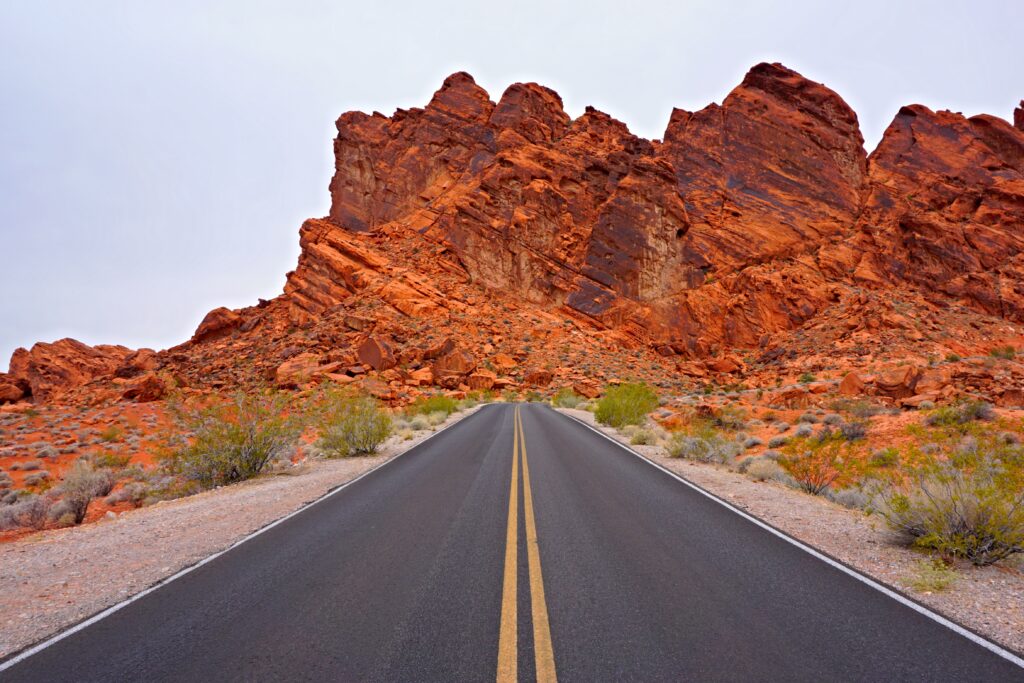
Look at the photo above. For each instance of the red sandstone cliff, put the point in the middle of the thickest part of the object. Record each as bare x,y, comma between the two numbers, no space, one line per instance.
470,232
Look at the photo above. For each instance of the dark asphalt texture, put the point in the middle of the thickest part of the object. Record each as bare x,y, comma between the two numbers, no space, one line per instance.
398,577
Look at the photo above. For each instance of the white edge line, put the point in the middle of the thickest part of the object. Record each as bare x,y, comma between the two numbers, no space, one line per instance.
53,640
882,588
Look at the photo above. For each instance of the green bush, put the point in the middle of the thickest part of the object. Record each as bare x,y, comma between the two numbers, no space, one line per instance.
806,378
1005,352
960,413
815,462
626,404
233,439
967,503
350,424
432,404
111,460
565,398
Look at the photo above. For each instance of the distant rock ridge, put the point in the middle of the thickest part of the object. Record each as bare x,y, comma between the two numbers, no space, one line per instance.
750,225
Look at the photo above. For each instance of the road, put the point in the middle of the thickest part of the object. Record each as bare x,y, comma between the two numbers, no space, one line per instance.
607,569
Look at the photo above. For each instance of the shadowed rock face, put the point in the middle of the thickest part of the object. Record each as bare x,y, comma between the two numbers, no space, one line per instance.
755,224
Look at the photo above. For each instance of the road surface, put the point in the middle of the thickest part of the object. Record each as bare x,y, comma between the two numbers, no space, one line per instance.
517,545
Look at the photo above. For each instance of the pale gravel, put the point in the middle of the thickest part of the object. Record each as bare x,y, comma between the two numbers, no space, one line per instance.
54,579
988,600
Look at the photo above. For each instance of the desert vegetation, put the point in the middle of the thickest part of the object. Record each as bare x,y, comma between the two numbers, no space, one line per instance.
196,443
626,404
949,481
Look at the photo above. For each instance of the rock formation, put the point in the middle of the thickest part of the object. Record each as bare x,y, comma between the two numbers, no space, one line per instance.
481,244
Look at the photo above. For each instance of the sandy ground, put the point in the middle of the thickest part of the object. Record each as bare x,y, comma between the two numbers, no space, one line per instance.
988,600
53,579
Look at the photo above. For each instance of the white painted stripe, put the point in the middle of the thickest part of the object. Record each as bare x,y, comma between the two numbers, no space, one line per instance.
25,654
898,597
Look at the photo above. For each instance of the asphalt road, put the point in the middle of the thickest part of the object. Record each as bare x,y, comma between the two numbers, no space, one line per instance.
609,569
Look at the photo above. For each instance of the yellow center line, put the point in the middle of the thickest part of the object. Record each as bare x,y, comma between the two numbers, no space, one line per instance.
544,654
507,638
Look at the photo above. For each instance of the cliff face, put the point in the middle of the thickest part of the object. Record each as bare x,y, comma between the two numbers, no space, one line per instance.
470,230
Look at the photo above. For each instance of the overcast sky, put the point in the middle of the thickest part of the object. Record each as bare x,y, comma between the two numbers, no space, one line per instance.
157,158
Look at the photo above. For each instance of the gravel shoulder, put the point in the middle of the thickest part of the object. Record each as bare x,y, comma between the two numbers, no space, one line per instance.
988,600
54,579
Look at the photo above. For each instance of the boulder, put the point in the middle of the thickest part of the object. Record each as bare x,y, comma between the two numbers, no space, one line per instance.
481,380
145,388
297,370
217,323
376,353
538,377
457,363
897,383
853,384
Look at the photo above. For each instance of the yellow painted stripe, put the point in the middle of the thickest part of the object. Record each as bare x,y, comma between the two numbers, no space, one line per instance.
507,637
545,656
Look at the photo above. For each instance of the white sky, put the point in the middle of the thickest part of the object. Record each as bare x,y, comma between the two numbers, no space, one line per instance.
157,158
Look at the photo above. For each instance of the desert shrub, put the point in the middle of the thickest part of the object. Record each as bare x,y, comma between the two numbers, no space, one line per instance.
643,437
752,442
968,504
703,444
565,398
111,460
134,492
853,498
803,431
730,417
777,442
419,423
626,404
806,378
931,576
80,485
37,478
926,405
1005,352
31,465
952,357
815,463
350,424
853,431
533,396
436,418
808,418
46,450
781,427
885,457
29,511
432,404
960,413
764,469
111,433
833,419
232,440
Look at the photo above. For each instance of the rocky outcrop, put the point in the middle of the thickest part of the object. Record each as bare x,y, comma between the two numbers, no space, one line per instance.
470,243
49,369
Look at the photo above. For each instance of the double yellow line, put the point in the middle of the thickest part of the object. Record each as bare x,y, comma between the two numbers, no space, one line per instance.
508,637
